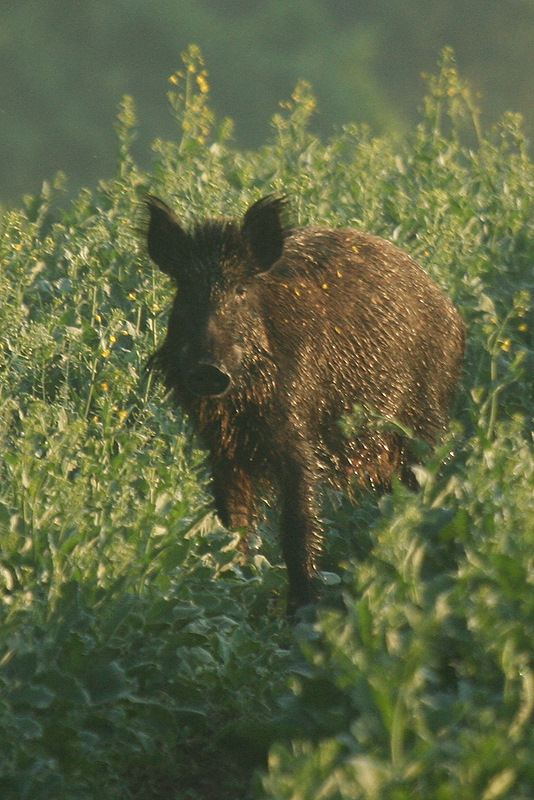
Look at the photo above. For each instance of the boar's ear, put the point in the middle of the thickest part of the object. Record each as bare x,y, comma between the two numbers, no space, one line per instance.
167,242
264,230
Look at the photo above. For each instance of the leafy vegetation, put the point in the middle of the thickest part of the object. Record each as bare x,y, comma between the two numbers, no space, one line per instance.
66,64
138,656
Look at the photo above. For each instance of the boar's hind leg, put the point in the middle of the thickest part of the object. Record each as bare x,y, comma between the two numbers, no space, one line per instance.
300,533
235,500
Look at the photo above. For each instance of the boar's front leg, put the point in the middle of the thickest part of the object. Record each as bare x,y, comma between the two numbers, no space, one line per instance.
235,500
300,531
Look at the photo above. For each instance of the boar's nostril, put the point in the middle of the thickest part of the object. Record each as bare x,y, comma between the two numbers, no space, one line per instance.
208,380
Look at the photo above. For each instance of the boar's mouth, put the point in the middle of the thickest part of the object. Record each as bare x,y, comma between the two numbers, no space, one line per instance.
208,380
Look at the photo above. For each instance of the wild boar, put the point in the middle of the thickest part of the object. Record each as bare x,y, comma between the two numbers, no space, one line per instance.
276,332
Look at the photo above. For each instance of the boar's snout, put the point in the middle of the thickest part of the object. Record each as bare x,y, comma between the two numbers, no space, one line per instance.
208,379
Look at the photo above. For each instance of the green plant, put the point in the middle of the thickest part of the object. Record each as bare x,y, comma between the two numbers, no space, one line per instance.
138,656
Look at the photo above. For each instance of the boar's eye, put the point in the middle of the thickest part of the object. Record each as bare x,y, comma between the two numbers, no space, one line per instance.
240,292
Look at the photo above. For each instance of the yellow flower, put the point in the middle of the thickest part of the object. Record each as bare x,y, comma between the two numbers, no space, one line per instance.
123,414
106,353
203,85
104,386
506,345
523,327
112,339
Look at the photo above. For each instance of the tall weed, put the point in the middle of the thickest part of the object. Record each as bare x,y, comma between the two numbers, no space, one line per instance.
138,656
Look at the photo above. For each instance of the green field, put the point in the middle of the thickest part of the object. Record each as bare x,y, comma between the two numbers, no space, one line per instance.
138,658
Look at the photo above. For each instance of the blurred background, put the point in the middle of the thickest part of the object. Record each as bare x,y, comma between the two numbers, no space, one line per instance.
65,64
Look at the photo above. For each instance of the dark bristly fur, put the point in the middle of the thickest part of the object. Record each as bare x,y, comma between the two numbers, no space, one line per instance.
275,334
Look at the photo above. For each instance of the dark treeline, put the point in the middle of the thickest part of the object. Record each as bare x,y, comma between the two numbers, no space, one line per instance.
65,65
